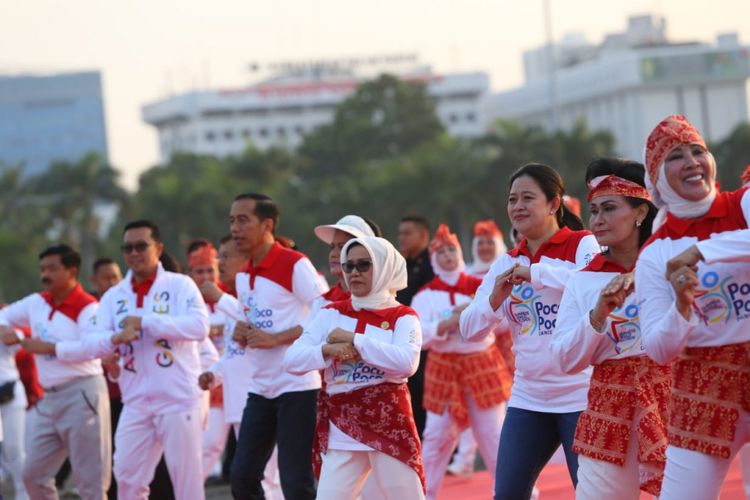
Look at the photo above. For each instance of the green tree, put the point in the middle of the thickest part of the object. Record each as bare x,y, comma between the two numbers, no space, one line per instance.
76,196
732,156
384,118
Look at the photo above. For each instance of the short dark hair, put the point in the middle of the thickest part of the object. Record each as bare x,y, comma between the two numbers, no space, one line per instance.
265,207
101,261
632,171
155,234
169,263
196,244
68,257
419,220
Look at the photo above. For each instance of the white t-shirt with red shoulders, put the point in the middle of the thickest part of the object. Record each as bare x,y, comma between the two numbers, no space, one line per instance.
531,310
435,302
274,296
576,345
721,311
67,321
387,340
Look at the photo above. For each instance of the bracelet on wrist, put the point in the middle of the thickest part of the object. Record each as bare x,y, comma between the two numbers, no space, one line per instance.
596,325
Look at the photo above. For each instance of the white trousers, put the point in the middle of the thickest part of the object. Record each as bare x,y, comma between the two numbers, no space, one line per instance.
214,439
13,454
466,454
139,442
602,480
697,476
441,435
271,481
344,474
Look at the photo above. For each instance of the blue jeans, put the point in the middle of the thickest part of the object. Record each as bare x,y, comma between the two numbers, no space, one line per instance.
287,421
527,442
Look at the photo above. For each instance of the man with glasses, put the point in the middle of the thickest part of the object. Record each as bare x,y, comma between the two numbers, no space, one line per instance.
155,319
72,419
275,290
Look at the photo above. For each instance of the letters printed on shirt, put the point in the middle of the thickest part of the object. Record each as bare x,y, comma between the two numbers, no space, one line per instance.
528,308
257,317
721,296
357,372
161,303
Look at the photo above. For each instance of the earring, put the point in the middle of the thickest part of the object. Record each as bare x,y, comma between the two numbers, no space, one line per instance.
638,223
552,212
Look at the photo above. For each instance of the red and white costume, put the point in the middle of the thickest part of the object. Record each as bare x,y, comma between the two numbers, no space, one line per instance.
710,406
365,422
621,438
158,380
466,383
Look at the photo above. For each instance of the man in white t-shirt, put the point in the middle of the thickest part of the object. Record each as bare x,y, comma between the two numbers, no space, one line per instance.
275,290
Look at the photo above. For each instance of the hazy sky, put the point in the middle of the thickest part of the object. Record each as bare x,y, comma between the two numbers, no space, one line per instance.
148,48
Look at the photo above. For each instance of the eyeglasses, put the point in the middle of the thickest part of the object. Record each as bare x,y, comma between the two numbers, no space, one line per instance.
139,247
361,266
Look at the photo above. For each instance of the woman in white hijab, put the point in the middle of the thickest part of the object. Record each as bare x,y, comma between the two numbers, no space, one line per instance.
694,298
367,346
486,246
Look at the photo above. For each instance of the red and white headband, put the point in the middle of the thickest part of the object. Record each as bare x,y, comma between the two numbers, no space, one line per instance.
612,185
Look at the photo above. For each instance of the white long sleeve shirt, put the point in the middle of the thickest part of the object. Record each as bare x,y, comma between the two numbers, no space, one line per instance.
67,321
576,345
435,303
274,296
389,347
539,384
721,311
233,370
160,369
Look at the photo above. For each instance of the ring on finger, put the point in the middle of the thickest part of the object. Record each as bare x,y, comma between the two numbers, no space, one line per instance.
681,279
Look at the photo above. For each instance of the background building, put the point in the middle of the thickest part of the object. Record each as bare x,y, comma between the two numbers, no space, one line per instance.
629,82
299,97
51,117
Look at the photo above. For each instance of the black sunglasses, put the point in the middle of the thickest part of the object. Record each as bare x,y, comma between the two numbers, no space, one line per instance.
361,266
139,247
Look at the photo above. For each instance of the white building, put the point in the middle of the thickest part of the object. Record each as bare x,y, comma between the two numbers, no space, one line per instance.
280,111
630,82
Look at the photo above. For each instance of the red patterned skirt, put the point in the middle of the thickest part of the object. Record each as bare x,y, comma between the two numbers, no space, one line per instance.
449,377
378,416
711,385
625,394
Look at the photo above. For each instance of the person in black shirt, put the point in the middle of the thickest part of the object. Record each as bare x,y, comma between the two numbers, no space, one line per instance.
413,240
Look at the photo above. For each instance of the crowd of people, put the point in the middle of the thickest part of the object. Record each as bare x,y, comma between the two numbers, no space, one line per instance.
626,345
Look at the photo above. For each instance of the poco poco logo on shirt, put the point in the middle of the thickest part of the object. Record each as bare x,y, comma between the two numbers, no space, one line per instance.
624,330
721,298
355,372
528,310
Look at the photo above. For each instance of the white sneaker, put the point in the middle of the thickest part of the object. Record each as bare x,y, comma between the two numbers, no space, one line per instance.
458,469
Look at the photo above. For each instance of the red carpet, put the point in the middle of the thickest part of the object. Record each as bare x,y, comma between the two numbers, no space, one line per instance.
554,484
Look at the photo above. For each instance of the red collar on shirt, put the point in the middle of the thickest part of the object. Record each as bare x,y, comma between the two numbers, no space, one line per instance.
725,214
382,318
141,289
601,264
225,288
72,305
277,266
559,239
466,285
719,208
337,293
